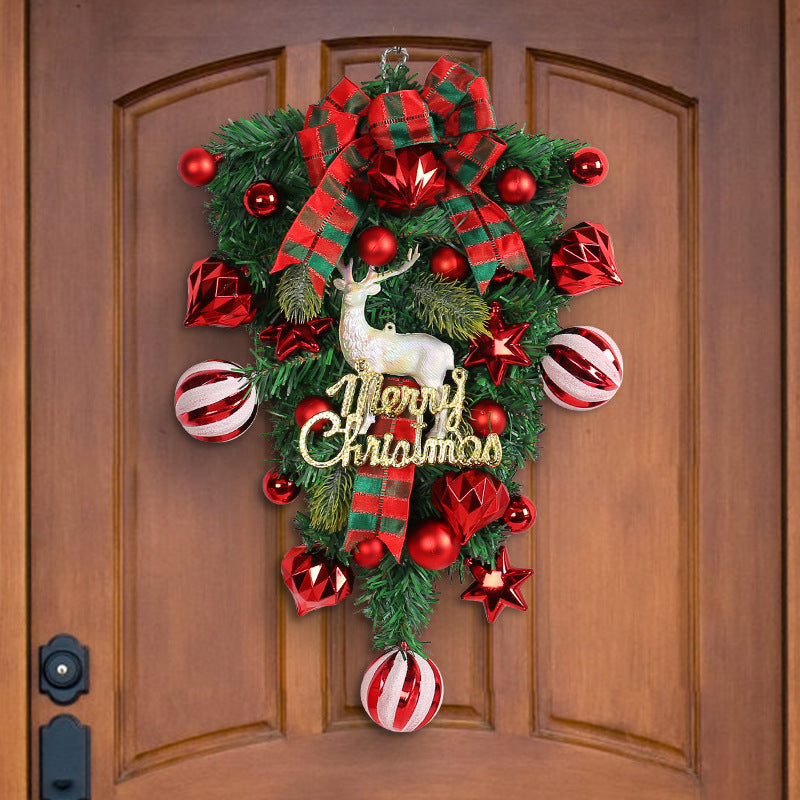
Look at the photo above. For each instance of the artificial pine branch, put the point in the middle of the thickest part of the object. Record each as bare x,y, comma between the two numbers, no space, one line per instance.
450,307
399,600
296,295
329,499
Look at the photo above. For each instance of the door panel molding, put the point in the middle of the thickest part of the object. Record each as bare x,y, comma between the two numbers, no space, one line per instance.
628,715
258,75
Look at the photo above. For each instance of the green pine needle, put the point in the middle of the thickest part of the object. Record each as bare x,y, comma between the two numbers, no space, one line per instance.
329,499
296,295
451,307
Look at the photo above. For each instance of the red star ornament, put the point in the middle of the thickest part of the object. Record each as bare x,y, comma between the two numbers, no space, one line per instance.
498,587
501,348
291,337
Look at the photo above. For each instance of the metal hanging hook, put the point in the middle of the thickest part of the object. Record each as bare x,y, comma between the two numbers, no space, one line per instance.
386,66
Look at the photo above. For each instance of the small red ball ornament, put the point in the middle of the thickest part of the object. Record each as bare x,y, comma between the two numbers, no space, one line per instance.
449,263
588,166
487,417
261,199
520,514
502,276
368,553
279,489
377,246
433,544
198,167
516,186
310,407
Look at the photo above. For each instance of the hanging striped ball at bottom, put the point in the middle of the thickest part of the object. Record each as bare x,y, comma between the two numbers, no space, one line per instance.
582,368
401,691
214,401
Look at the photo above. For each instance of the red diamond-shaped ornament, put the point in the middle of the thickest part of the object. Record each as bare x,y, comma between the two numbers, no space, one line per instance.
219,296
315,581
406,180
583,260
469,500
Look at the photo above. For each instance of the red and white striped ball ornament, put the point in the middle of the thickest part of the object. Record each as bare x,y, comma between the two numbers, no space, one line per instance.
214,401
582,368
401,691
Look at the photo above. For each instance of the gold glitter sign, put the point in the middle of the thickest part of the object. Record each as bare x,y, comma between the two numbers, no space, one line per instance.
363,399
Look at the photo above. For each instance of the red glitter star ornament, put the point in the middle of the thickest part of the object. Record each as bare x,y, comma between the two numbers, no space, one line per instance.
498,587
290,337
501,348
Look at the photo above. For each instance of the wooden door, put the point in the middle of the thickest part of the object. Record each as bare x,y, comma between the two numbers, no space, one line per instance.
649,664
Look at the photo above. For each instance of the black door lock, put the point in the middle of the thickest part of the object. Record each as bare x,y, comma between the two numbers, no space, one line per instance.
65,759
63,669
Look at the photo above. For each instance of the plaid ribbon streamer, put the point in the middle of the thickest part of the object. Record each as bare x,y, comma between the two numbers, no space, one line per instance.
343,134
381,494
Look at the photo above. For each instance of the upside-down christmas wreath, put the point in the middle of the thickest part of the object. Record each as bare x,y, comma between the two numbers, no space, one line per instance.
405,399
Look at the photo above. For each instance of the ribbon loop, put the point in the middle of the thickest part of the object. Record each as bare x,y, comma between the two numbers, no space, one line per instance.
345,132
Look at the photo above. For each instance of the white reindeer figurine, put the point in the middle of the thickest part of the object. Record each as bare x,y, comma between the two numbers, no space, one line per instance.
416,355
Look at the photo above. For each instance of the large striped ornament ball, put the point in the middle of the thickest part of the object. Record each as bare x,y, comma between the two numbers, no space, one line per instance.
214,401
401,691
582,368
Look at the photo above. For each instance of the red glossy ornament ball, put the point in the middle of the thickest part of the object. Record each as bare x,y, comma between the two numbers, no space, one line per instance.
261,199
198,167
449,263
487,417
502,276
279,489
516,186
433,544
310,407
588,166
369,553
520,514
377,246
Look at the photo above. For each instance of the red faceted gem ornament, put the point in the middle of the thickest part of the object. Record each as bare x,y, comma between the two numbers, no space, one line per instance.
219,295
449,263
291,337
433,544
469,500
487,417
588,166
314,580
497,588
309,407
583,260
198,167
261,199
403,181
501,348
516,186
279,489
520,514
368,553
377,246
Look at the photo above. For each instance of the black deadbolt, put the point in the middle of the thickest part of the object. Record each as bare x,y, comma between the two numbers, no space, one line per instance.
63,669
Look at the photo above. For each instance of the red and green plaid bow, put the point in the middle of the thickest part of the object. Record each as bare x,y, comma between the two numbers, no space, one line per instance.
346,131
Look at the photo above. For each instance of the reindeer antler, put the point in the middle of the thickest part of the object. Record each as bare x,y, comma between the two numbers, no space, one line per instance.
346,271
411,259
